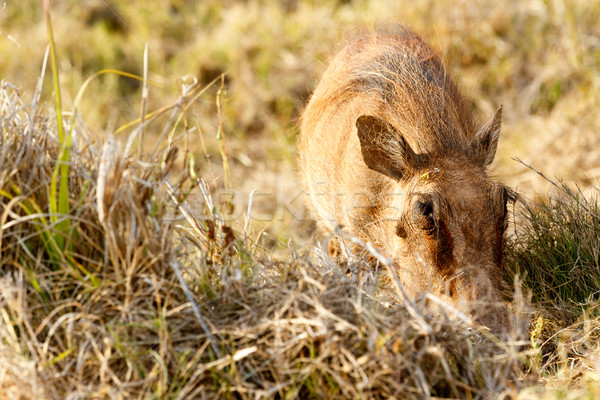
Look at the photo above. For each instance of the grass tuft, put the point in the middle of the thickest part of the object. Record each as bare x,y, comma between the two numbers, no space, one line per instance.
158,300
556,249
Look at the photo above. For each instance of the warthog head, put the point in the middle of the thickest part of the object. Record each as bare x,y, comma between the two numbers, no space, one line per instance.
450,218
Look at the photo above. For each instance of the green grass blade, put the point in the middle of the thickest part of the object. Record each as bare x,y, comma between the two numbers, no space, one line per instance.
61,172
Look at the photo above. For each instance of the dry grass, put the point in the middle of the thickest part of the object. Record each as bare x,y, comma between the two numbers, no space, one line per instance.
555,251
151,285
540,59
137,304
537,58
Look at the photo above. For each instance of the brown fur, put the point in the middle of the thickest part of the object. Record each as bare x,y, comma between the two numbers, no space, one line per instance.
389,150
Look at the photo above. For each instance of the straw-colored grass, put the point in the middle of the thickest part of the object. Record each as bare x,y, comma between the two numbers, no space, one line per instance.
146,303
156,256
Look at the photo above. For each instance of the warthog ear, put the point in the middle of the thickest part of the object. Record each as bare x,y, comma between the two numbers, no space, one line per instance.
484,144
383,148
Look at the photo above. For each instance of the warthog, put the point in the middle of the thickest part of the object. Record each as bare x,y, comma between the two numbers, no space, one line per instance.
390,151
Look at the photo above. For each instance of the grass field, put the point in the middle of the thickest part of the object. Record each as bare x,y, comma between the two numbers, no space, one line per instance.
172,257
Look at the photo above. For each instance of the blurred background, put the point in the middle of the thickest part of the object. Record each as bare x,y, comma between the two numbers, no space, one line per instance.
539,59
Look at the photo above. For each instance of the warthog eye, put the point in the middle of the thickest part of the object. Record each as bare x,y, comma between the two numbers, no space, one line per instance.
423,214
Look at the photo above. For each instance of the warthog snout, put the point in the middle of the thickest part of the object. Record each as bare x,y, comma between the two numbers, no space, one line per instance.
389,149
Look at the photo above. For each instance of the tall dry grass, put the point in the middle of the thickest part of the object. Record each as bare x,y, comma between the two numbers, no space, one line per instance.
134,281
149,298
